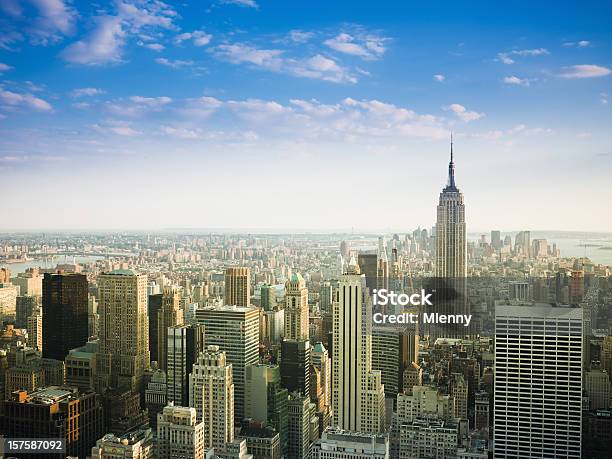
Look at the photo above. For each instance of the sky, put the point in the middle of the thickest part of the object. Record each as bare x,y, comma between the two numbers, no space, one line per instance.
304,115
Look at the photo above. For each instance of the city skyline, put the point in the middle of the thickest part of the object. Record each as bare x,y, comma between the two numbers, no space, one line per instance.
271,101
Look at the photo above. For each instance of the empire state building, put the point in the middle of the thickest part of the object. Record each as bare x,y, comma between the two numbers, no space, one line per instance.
450,229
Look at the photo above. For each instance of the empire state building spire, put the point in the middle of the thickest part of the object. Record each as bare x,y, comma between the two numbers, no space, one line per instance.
450,186
450,228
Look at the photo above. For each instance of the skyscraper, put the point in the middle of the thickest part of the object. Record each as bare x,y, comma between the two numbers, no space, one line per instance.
169,315
368,266
358,394
211,393
538,382
496,241
295,365
153,306
238,286
266,400
296,308
64,321
123,354
184,344
450,229
236,331
268,297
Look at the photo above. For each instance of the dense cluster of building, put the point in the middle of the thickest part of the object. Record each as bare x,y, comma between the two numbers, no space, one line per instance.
263,346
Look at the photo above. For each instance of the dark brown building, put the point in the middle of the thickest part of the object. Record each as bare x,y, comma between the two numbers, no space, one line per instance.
54,412
65,322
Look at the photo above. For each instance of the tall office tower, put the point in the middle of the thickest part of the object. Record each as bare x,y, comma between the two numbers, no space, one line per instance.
35,329
154,304
538,381
368,266
459,391
345,249
325,297
296,308
211,393
451,243
156,396
598,388
382,271
64,303
295,364
321,361
236,331
358,398
576,286
238,287
169,315
184,344
481,410
496,241
300,413
266,400
393,350
179,434
539,248
93,325
606,354
342,444
123,354
268,297
24,307
54,412
522,243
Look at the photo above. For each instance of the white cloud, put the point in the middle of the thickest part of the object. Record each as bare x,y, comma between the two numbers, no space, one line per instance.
584,71
439,77
579,44
175,64
106,41
367,47
124,131
463,113
102,46
26,100
153,102
120,128
299,36
182,132
199,37
246,3
55,20
317,66
603,98
4,67
82,92
514,80
158,47
201,107
507,59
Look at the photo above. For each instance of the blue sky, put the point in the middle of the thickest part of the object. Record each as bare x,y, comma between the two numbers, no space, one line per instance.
304,115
